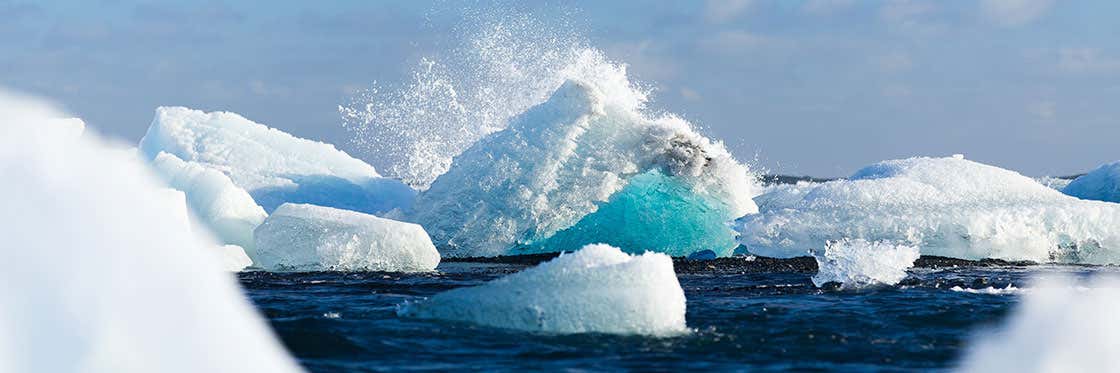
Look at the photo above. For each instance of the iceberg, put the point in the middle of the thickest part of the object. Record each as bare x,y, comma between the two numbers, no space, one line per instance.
106,275
1101,184
858,263
228,211
945,206
587,166
300,237
1061,325
234,258
598,289
273,166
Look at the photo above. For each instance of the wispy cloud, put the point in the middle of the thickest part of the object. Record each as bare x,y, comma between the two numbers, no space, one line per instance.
722,11
1014,12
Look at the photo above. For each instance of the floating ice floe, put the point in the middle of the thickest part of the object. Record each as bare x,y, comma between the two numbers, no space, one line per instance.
300,237
588,166
228,211
1054,329
1101,184
945,206
273,166
1056,183
598,289
106,274
858,263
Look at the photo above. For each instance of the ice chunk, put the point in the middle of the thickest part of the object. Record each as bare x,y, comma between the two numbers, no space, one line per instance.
858,263
1056,328
299,237
234,258
273,166
1056,183
104,274
944,206
1101,184
227,210
585,167
598,289
72,127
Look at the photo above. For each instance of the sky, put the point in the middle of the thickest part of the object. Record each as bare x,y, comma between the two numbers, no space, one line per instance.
816,87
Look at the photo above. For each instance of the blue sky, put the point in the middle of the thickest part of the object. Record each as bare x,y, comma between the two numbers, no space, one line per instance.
817,87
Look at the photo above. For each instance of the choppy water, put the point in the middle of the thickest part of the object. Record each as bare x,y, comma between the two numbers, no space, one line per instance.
757,321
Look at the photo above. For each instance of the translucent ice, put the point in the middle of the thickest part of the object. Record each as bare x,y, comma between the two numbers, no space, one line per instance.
106,274
1060,326
225,209
858,263
587,166
598,289
273,166
299,237
945,206
1101,184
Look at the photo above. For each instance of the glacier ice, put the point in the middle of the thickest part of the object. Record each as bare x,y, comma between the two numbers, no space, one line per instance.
300,237
273,166
228,211
587,166
945,206
1101,184
858,263
598,289
104,277
234,258
1061,325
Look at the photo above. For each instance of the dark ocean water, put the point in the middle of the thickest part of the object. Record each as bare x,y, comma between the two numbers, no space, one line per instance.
742,320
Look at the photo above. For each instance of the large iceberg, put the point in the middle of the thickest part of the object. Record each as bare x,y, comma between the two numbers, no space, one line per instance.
273,166
946,206
1101,184
598,289
104,272
299,237
1062,325
587,166
229,211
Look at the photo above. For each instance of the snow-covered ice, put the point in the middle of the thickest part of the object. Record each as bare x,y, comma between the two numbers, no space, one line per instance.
588,166
858,263
300,237
228,211
597,289
1056,328
105,274
945,206
1101,184
273,166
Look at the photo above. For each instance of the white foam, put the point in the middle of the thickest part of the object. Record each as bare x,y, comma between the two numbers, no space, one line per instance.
1054,329
1101,184
945,206
300,237
597,289
858,263
228,211
588,166
103,276
273,166
1009,289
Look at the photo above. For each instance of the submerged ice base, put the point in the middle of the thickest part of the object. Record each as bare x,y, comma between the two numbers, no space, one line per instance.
945,206
298,237
586,167
598,289
273,166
